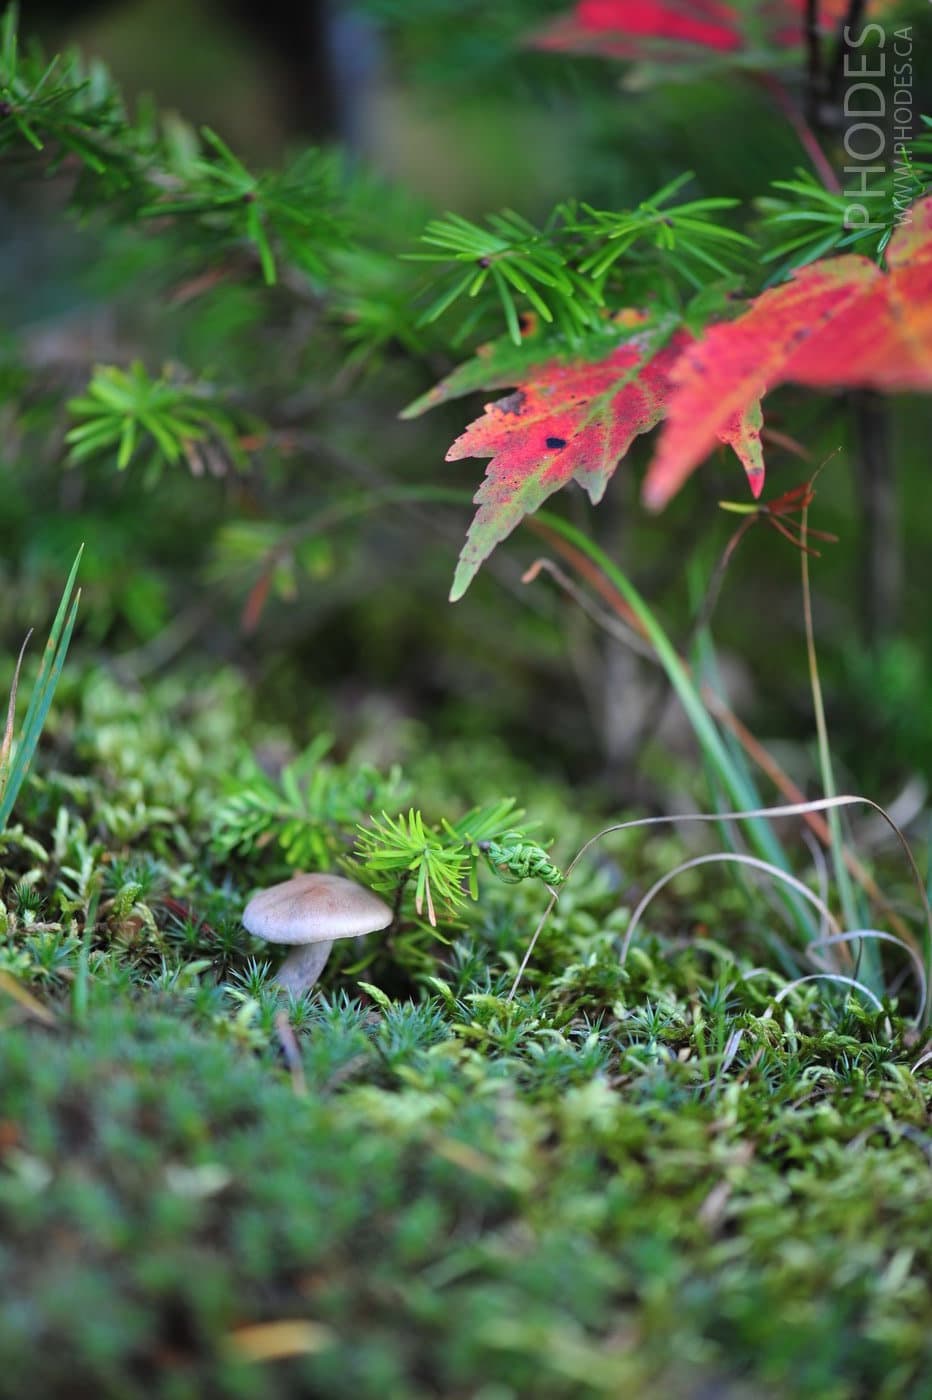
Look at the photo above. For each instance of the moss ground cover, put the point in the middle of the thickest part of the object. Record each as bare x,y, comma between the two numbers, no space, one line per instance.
597,1108
653,1181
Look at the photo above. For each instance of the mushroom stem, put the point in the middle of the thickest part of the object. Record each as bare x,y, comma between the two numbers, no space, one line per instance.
302,967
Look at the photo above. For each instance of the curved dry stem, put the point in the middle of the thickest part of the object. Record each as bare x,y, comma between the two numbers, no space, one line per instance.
530,947
732,857
753,972
828,977
302,967
854,935
791,809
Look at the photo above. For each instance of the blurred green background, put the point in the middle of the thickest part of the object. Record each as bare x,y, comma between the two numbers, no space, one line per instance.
453,111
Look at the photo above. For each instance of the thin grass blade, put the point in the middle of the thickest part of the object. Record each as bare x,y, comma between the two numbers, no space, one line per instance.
50,669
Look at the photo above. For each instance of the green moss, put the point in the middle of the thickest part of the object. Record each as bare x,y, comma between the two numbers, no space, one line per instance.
646,1180
449,1221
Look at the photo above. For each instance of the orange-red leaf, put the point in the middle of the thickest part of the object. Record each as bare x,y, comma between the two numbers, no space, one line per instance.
644,29
839,323
574,422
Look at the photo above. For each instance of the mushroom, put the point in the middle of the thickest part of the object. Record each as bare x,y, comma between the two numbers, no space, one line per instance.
311,912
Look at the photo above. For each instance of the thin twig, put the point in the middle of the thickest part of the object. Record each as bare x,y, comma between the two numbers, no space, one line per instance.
704,616
615,628
818,705
806,136
813,63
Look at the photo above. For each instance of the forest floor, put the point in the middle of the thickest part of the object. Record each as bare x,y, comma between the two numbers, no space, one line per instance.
650,1180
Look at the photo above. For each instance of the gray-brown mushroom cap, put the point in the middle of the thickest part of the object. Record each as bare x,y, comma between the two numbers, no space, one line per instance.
315,908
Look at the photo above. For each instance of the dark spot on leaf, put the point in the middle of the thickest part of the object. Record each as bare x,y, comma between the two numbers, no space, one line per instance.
556,442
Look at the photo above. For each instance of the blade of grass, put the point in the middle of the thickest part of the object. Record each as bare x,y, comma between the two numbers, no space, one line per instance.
53,660
7,744
55,634
845,888
29,738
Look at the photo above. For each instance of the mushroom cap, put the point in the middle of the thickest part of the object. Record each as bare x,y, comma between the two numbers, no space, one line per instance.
315,908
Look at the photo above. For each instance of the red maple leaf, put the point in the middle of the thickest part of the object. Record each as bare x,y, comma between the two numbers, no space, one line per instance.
643,29
839,323
574,421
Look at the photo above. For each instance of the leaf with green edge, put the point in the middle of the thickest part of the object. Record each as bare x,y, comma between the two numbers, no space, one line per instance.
838,323
575,422
501,363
